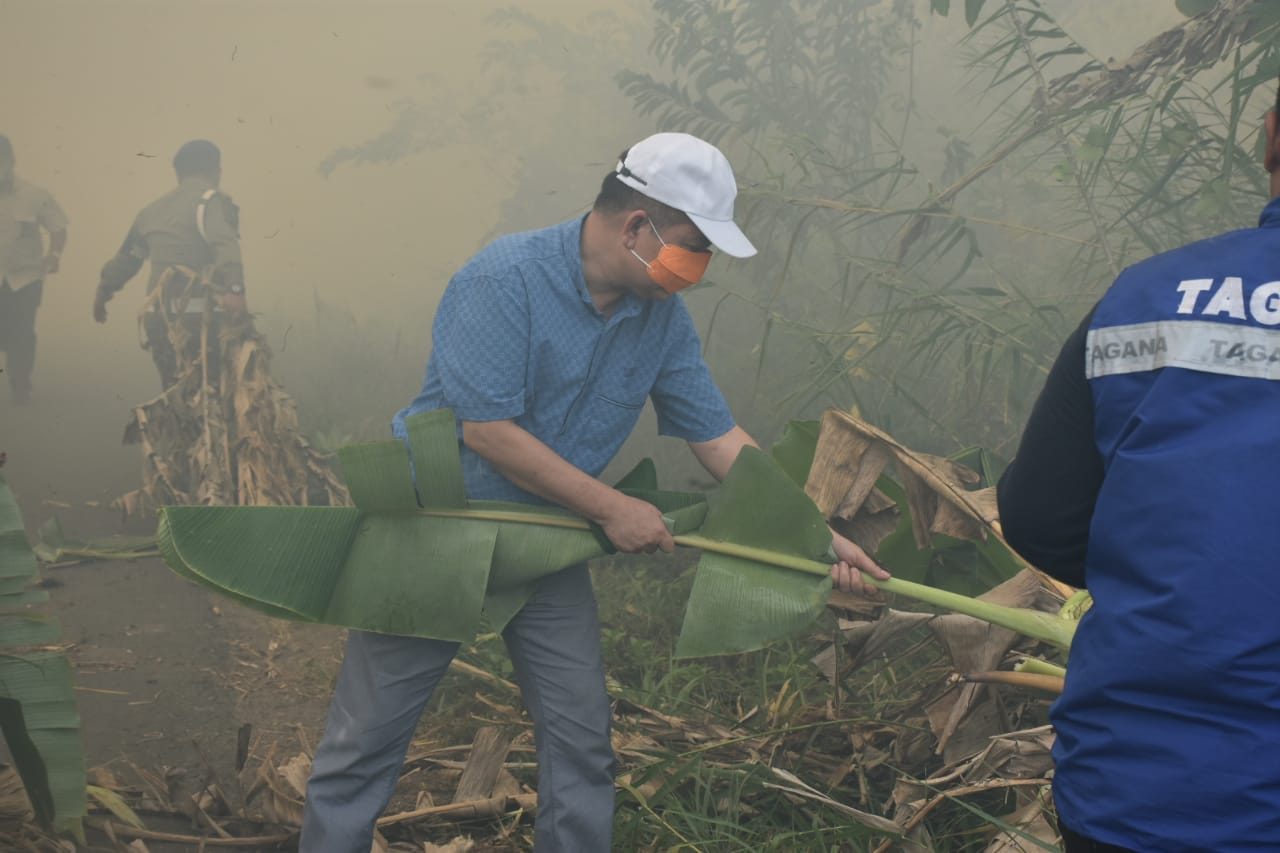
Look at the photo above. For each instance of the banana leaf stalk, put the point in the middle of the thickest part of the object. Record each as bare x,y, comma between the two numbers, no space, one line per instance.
1046,627
420,559
1040,667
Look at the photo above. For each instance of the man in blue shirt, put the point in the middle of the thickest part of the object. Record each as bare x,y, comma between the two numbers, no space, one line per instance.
546,345
1147,474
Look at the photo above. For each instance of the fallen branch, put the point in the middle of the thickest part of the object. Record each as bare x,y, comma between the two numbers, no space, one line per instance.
120,829
492,807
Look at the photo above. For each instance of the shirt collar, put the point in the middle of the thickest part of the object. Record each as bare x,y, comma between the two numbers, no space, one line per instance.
196,181
571,242
1270,217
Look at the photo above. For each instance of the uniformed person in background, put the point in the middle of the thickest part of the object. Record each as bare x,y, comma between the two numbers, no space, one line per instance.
191,235
24,262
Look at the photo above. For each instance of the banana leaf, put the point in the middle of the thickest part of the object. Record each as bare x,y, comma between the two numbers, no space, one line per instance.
38,717
415,557
795,450
743,600
958,565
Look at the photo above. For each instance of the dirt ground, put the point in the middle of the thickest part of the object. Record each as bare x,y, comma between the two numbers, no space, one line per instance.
167,673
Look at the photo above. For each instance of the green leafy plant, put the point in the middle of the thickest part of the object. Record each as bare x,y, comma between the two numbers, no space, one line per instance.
924,274
37,706
429,562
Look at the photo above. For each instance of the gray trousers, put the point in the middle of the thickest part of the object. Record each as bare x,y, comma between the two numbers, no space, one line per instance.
386,681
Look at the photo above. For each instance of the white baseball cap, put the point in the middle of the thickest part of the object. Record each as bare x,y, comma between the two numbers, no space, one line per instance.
691,175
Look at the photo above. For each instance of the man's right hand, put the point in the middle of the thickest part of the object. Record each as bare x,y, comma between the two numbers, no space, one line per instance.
100,307
636,526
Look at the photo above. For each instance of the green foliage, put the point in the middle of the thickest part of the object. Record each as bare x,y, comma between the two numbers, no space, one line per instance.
742,602
38,716
972,9
969,568
933,291
784,714
709,799
415,557
363,566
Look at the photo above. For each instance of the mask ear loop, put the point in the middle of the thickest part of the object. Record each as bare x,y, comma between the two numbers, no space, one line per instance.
654,228
655,232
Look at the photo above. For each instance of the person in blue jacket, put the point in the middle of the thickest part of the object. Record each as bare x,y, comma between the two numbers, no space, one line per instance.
1147,474
547,345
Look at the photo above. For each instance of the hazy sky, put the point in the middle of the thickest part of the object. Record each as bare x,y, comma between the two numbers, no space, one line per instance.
99,94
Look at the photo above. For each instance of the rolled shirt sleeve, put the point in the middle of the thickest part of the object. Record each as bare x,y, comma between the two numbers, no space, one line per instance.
687,400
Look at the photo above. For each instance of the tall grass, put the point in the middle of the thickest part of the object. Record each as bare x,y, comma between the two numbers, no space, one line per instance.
932,291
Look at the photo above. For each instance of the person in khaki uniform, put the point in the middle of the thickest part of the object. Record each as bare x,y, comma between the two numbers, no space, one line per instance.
24,262
191,236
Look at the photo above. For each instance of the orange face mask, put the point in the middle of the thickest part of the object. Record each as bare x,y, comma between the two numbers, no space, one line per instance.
676,267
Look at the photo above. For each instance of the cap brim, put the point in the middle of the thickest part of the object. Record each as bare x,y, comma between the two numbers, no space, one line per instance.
724,235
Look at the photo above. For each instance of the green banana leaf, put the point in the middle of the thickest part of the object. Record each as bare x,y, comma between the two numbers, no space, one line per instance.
37,705
425,561
794,452
957,565
423,564
743,601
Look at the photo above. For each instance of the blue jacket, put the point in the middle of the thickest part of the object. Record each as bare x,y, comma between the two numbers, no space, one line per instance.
1169,727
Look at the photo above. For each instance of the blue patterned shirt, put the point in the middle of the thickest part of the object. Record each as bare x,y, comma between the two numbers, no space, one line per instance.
516,337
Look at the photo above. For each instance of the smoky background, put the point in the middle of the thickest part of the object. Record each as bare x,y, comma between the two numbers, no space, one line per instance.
374,146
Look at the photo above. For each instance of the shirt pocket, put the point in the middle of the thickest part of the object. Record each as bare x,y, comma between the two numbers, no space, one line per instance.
610,422
624,399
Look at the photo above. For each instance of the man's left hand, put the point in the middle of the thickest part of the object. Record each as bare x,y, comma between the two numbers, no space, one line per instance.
847,575
50,263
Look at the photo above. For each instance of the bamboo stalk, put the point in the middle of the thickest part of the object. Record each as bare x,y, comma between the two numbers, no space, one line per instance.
1034,680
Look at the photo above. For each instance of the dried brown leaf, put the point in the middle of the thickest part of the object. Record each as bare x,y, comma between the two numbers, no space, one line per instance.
236,442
